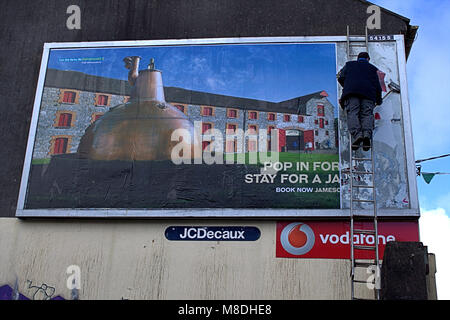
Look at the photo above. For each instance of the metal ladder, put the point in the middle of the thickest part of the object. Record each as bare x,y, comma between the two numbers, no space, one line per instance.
353,49
355,217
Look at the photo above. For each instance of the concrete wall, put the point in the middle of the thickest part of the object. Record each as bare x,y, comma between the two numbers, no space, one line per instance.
133,260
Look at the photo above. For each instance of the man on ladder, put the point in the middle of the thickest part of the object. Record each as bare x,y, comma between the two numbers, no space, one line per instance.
361,93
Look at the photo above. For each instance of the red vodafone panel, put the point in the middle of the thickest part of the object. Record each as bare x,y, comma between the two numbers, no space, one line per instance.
331,240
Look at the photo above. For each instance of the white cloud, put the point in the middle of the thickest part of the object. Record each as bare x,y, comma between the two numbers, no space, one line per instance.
435,233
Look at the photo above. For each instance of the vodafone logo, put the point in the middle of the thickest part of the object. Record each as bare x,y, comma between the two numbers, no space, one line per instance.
332,239
297,238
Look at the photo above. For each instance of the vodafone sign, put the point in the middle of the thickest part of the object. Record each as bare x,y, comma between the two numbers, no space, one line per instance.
331,240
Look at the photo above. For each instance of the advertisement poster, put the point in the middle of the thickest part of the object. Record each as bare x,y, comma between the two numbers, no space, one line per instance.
187,126
331,239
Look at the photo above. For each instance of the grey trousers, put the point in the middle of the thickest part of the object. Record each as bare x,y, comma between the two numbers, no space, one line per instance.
360,118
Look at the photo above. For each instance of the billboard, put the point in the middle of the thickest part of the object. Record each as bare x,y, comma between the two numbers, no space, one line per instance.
212,127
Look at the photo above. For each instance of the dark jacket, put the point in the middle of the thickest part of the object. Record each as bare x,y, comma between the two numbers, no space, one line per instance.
360,78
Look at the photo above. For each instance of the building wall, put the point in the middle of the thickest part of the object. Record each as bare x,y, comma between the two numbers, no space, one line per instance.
84,109
133,260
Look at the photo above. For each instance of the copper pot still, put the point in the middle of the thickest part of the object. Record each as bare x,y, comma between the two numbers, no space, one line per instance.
142,128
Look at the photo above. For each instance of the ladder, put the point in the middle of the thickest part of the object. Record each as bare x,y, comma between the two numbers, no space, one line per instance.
353,49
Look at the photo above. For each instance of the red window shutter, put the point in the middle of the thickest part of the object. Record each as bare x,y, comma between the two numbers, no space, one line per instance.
321,123
232,127
316,121
60,146
69,97
320,111
206,127
205,144
62,120
102,100
207,111
252,146
65,120
232,114
230,146
301,119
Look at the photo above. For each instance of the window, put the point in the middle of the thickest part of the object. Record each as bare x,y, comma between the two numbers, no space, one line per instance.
269,130
287,118
206,126
326,122
102,100
271,116
96,116
316,121
180,107
321,122
69,96
230,146
327,133
253,115
231,128
65,120
301,119
207,111
253,129
252,146
60,146
316,132
232,113
320,111
205,144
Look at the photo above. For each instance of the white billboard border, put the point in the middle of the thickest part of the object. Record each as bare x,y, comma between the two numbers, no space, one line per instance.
21,212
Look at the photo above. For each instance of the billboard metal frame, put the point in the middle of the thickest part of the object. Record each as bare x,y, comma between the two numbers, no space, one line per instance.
412,212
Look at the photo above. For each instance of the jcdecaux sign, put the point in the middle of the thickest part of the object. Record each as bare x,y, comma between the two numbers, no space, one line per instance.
186,233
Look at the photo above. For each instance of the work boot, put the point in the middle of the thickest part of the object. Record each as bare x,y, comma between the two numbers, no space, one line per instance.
367,141
356,141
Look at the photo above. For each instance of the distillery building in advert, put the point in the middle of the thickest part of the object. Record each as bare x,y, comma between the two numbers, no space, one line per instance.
72,101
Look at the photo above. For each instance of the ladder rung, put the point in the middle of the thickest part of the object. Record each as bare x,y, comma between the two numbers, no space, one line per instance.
362,159
364,264
364,231
363,281
358,44
362,172
357,247
360,186
361,200
363,217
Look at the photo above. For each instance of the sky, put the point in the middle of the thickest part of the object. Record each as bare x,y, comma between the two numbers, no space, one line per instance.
428,71
271,72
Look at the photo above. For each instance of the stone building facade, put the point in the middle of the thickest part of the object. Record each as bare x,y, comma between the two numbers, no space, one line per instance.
71,101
